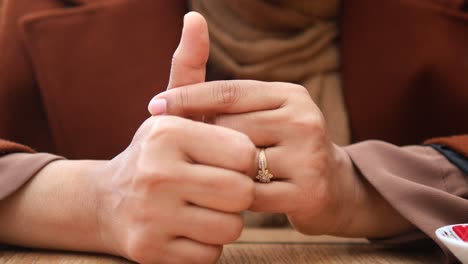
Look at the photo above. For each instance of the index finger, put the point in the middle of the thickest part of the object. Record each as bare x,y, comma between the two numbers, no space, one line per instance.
225,97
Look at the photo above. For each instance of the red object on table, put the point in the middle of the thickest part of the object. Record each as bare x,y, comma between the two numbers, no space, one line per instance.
461,231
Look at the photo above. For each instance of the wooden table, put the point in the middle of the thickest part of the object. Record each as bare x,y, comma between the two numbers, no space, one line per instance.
263,246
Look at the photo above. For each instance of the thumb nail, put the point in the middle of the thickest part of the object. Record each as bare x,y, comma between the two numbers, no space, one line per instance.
157,106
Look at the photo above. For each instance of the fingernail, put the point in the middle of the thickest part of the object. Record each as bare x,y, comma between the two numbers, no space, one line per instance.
157,106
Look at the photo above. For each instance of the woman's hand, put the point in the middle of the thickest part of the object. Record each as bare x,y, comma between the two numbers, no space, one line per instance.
177,191
315,182
310,183
175,194
279,116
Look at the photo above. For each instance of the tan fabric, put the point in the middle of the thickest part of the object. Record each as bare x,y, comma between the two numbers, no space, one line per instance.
16,169
290,41
428,191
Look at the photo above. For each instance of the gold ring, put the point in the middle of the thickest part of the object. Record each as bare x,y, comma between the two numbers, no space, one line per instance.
263,176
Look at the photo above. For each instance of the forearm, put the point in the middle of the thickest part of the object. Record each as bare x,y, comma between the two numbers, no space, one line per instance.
55,209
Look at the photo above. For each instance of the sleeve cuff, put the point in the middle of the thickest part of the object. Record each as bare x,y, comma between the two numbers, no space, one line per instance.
17,169
416,181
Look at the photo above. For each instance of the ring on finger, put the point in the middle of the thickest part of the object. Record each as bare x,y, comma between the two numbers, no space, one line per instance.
263,176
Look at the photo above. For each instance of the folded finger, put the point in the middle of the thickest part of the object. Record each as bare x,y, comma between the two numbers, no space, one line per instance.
264,128
274,197
201,143
184,250
217,189
209,226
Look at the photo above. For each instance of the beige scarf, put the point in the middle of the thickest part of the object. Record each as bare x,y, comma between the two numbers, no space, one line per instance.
281,40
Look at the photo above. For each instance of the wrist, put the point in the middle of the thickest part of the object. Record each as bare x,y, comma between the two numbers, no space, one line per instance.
344,189
346,193
104,218
337,205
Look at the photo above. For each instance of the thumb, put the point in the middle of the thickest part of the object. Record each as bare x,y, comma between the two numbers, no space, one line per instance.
190,58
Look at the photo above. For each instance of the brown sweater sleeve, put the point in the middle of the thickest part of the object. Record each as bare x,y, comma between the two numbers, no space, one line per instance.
421,184
18,164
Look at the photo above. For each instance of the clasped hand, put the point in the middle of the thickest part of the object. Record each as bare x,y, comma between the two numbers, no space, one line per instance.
281,118
177,191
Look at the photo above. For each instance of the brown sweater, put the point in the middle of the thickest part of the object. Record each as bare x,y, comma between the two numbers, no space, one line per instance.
75,81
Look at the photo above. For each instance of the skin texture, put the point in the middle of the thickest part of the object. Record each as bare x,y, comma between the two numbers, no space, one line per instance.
173,189
162,200
315,183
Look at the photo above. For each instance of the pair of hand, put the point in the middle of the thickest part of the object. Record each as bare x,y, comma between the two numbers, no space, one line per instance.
176,193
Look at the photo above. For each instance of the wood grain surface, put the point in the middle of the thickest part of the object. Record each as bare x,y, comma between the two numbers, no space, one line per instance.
264,246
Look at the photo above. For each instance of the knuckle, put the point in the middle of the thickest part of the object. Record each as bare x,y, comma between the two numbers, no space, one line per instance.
151,174
225,93
212,254
151,170
233,229
248,153
140,217
182,99
246,194
283,119
143,130
241,190
165,126
301,226
299,90
157,177
311,123
141,251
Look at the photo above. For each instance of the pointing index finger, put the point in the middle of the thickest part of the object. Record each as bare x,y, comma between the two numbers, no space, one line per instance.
224,97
